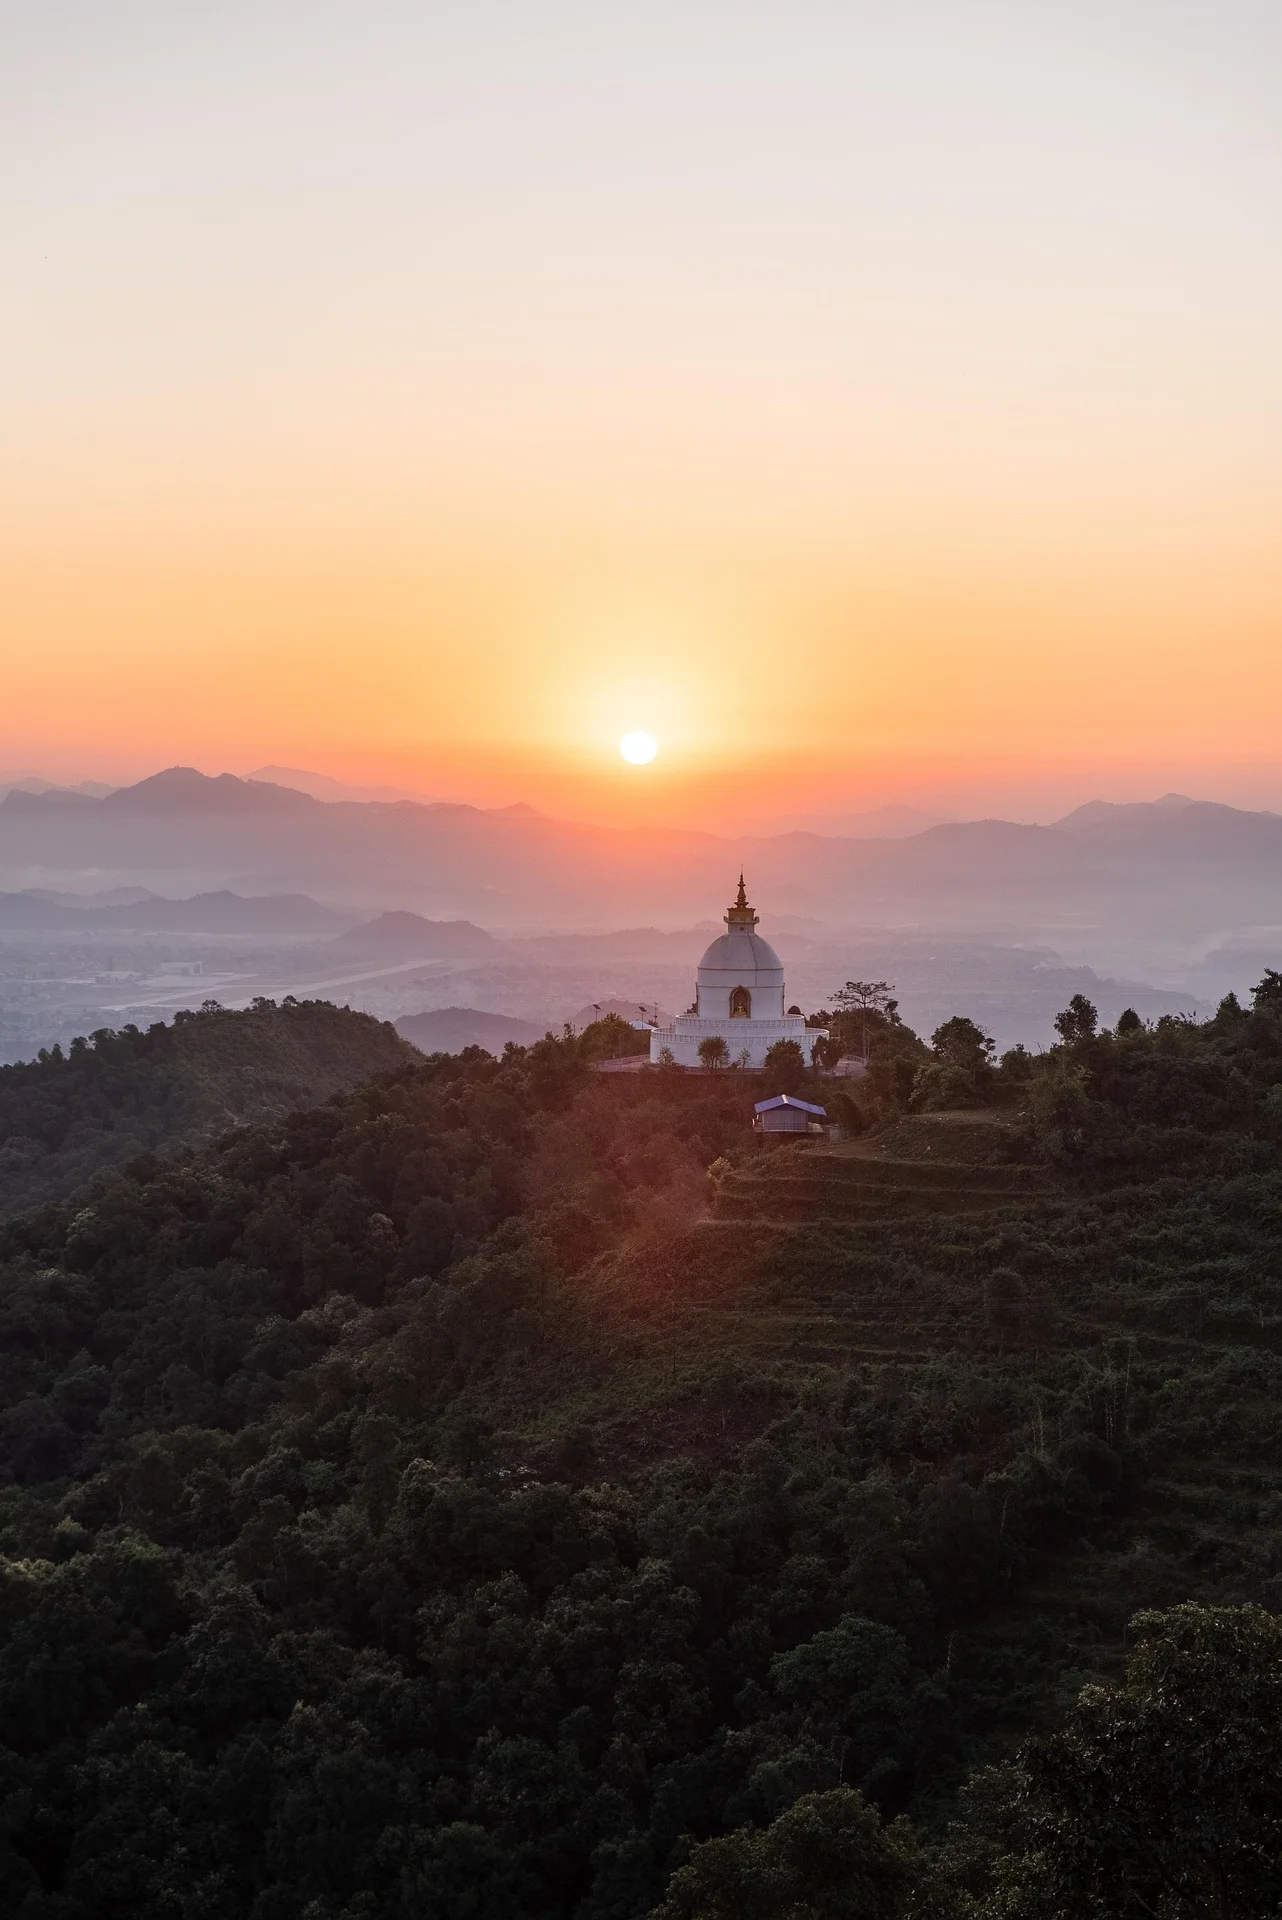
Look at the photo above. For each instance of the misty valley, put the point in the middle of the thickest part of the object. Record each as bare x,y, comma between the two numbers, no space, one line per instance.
1163,908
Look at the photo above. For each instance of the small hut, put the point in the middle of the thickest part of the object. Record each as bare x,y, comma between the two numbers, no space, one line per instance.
786,1114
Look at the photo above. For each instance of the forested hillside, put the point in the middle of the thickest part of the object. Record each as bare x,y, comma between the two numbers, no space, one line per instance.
457,1500
64,1119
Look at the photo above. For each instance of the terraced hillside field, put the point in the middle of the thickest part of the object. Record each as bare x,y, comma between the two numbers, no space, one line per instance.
951,1163
947,1317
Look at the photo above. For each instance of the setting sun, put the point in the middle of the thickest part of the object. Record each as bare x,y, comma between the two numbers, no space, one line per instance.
638,748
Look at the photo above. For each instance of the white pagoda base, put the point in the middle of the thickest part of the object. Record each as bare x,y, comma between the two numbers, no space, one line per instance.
747,1041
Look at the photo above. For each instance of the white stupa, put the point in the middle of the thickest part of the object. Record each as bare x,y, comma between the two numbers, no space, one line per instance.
738,996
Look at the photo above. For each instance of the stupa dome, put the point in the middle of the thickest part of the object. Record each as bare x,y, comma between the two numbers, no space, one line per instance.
745,955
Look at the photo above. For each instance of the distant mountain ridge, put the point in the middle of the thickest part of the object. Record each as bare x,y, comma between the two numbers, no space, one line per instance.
1103,813
184,789
876,823
87,902
226,912
46,910
1122,882
451,1029
1176,824
322,786
32,783
408,936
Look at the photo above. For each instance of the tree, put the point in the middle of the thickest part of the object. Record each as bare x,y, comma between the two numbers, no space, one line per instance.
1128,1022
610,1038
1005,1301
556,1068
713,1051
1062,1110
864,997
1078,1021
1164,1795
784,1067
851,1684
847,1112
962,1069
960,1043
827,1858
1016,1066
1267,997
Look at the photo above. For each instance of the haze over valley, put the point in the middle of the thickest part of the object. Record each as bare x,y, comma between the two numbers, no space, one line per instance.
184,887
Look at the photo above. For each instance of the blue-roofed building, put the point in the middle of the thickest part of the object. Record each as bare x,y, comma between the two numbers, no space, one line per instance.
787,1114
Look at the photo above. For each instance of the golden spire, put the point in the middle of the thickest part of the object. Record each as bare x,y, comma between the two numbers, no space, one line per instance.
740,918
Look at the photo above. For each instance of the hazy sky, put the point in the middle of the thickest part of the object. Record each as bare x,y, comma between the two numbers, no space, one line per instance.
433,392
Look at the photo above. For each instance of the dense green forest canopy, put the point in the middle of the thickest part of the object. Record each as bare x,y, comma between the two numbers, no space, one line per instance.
427,1504
65,1118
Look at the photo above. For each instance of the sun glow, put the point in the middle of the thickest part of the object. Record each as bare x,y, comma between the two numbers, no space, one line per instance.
638,748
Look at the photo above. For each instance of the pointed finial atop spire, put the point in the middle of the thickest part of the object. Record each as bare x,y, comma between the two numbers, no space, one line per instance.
740,918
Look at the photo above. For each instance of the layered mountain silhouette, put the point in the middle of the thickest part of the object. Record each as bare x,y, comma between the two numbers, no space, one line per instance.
183,790
1139,878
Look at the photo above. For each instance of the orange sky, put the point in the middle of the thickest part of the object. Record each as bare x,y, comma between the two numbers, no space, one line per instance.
870,408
